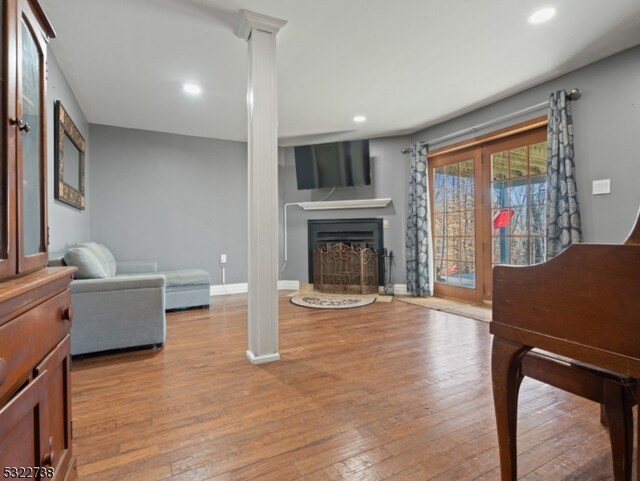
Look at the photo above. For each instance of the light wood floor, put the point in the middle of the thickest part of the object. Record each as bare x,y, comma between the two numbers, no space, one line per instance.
391,391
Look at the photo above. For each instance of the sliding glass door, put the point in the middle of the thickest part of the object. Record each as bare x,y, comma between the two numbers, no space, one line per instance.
488,207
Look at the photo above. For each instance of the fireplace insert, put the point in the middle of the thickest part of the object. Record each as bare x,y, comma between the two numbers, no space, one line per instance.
359,233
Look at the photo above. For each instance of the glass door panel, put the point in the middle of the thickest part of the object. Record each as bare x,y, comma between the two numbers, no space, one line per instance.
454,224
518,183
31,143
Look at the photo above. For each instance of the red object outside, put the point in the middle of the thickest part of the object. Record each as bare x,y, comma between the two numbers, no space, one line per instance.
502,218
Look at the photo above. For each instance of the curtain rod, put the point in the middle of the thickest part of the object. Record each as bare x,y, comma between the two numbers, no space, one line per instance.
573,94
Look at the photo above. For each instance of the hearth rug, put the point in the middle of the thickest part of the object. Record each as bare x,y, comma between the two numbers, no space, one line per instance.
318,300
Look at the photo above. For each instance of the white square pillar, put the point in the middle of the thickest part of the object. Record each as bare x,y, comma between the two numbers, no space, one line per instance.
262,105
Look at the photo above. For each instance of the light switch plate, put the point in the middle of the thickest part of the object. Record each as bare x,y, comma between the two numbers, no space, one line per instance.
601,186
385,223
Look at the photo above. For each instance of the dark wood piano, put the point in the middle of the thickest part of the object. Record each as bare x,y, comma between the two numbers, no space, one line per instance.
572,322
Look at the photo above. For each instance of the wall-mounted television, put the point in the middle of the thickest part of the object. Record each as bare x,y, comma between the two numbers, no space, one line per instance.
336,164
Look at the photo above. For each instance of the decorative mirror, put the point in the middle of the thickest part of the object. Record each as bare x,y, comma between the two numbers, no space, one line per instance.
69,160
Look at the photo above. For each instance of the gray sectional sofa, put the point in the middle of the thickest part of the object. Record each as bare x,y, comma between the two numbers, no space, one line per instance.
120,305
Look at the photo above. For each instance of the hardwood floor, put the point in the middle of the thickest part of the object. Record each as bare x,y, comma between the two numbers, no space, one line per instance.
391,391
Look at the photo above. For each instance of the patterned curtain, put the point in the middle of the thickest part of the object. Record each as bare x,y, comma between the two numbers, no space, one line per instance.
563,213
418,241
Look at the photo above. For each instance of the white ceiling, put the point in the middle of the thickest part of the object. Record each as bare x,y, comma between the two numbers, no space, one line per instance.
405,64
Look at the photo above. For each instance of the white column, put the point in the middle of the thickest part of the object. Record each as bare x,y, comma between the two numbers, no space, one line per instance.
262,105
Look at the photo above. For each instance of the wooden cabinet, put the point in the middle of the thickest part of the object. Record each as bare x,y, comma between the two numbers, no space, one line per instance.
23,211
35,387
35,302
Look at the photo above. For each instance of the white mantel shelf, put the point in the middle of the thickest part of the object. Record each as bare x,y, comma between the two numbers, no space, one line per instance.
345,204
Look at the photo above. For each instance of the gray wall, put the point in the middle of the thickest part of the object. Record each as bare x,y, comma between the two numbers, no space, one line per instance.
179,200
67,225
606,134
607,146
183,200
390,174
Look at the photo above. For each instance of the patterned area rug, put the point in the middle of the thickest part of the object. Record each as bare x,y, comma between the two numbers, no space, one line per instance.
331,301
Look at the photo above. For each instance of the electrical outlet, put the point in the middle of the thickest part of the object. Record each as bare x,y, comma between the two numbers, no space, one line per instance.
223,258
601,186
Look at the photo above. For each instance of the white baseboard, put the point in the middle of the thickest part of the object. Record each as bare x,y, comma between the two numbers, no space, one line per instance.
224,289
400,289
243,288
288,285
262,359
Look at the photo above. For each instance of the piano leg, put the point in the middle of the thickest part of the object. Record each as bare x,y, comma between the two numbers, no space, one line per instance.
618,409
506,378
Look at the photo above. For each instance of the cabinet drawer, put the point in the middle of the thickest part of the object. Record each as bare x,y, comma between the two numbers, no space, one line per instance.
25,340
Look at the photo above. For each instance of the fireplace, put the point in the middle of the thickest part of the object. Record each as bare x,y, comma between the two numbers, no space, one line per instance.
342,269
350,248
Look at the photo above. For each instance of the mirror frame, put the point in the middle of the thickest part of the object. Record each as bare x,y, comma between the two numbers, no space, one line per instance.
65,126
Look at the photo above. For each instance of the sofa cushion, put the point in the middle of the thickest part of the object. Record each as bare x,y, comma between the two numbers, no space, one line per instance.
89,266
111,261
103,255
187,277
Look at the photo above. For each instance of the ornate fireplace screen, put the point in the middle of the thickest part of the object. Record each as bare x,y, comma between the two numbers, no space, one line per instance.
343,268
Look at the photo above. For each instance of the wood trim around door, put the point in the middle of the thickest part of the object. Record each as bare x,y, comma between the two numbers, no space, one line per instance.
507,132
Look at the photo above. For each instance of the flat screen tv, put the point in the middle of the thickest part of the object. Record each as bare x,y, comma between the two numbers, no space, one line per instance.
336,164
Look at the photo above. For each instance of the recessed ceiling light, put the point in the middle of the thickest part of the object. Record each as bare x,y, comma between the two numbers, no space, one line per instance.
542,15
192,89
359,119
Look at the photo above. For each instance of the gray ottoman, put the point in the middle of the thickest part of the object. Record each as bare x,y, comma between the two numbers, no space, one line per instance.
187,288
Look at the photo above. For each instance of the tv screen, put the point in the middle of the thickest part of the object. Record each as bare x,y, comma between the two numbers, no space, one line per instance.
337,164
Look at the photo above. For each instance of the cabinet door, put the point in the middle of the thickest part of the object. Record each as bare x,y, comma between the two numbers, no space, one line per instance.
31,142
8,236
20,427
55,421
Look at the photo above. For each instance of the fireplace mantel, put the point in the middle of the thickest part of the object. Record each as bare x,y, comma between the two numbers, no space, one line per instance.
344,204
